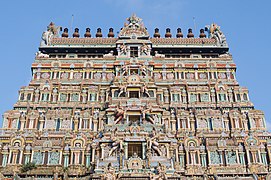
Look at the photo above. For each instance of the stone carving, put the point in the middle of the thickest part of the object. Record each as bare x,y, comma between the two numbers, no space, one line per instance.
64,75
50,124
77,75
214,157
144,49
161,170
134,29
45,75
231,156
122,49
66,124
152,143
117,144
109,173
135,163
215,32
38,158
39,54
202,123
52,31
122,90
97,76
54,158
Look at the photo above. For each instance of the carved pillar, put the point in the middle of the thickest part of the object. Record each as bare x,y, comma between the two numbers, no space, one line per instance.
22,124
76,124
84,97
203,159
27,157
31,123
126,150
220,157
41,124
264,159
93,154
21,157
66,158
144,144
181,155
54,97
167,150
242,158
226,157
71,74
88,159
237,156
102,147
5,158
178,123
95,121
259,155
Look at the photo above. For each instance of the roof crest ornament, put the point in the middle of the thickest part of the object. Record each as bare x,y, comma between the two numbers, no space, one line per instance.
215,32
51,32
134,29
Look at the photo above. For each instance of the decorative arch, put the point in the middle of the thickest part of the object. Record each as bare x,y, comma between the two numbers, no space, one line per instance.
18,140
78,142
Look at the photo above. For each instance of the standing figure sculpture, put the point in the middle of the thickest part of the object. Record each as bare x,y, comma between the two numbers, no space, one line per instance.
122,89
144,90
117,143
52,31
119,115
153,144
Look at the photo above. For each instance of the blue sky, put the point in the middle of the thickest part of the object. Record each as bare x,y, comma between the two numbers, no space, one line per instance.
246,24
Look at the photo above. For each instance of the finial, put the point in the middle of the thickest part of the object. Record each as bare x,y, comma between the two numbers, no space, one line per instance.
87,34
202,35
111,33
76,33
168,33
190,33
99,33
65,33
156,33
179,33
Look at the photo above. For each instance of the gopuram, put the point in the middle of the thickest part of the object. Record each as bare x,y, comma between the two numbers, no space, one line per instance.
134,107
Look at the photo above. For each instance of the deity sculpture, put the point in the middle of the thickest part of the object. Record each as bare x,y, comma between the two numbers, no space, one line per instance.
119,115
153,144
117,143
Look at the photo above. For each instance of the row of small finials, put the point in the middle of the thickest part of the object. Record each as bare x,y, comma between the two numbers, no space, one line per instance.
111,33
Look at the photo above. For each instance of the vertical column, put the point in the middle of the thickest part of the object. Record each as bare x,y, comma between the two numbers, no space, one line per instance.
66,158
102,147
144,150
71,74
5,158
93,154
126,150
181,155
95,128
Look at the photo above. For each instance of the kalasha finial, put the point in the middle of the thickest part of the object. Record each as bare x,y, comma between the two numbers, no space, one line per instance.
190,33
111,33
134,19
76,33
179,33
168,33
156,33
202,35
87,34
65,33
99,33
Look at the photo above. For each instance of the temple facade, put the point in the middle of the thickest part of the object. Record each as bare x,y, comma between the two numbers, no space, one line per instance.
132,106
